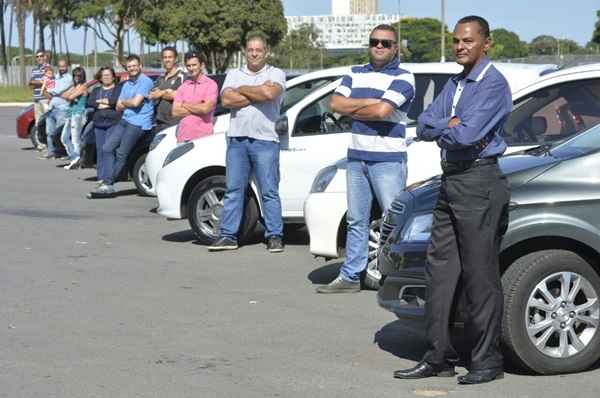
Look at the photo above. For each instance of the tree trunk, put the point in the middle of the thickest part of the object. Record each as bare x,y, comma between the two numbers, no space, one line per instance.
10,32
21,14
85,56
60,48
64,28
53,42
33,36
41,29
3,53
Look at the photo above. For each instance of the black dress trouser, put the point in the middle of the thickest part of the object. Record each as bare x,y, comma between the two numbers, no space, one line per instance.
470,215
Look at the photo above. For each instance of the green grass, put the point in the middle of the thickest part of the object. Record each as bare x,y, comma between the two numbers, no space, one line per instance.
15,94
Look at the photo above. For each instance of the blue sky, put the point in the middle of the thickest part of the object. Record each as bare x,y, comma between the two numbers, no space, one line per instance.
528,18
572,19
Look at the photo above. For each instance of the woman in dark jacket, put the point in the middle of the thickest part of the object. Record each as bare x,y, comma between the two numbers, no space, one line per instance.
104,100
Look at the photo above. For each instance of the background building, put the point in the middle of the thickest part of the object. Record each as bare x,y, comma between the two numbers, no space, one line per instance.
354,7
343,32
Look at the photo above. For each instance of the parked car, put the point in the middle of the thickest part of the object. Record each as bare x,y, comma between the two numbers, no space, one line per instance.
549,255
553,107
298,87
192,181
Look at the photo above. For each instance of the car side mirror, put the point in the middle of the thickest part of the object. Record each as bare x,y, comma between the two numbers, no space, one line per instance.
281,126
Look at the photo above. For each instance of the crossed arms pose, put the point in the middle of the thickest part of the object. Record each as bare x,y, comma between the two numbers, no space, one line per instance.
245,95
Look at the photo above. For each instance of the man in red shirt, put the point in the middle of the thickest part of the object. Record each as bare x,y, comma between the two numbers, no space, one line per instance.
195,100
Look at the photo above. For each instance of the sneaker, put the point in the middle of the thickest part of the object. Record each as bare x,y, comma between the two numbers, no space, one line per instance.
275,244
40,147
103,191
73,165
222,244
47,157
64,158
340,285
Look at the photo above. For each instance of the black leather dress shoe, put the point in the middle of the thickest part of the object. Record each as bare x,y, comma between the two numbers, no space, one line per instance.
424,369
481,376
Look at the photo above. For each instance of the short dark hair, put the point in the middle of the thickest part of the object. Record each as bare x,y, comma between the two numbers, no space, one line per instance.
79,70
257,36
194,54
133,57
484,26
98,74
387,28
40,51
169,48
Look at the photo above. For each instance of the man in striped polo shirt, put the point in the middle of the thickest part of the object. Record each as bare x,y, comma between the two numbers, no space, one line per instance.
377,97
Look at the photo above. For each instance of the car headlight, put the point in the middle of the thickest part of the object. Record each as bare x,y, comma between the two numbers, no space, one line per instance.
419,228
156,140
178,152
323,179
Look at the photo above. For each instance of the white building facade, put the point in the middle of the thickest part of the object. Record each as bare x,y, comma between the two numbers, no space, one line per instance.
343,32
354,7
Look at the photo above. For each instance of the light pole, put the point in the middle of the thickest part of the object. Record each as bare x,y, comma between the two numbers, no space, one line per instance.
443,33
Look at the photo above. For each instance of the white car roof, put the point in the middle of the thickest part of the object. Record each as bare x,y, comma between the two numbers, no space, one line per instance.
518,75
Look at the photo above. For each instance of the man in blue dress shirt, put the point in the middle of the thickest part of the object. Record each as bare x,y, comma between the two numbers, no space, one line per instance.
465,120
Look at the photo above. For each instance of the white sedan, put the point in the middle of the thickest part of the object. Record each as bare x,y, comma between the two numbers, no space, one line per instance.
192,181
553,107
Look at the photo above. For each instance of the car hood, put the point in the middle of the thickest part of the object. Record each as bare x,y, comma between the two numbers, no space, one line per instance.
518,168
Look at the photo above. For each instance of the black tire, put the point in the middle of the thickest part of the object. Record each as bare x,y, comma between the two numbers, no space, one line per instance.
140,178
206,227
519,284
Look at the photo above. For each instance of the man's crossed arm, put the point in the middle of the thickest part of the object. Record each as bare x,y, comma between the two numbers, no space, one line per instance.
245,95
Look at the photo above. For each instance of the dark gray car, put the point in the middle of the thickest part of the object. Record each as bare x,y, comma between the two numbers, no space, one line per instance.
549,259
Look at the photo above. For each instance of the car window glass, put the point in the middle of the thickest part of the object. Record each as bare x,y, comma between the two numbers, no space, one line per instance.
427,87
554,113
317,118
294,94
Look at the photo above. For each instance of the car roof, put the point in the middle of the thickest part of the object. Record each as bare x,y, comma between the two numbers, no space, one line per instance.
518,75
571,73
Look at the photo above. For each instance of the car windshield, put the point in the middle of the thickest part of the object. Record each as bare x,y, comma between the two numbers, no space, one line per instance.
582,144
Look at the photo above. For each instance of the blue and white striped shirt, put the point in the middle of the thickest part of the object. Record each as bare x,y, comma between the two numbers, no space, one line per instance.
380,141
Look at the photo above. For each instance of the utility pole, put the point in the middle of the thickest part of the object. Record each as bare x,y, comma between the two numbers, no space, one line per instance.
443,33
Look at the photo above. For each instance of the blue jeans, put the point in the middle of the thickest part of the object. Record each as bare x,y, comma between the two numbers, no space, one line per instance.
244,156
383,179
101,134
119,143
71,135
56,117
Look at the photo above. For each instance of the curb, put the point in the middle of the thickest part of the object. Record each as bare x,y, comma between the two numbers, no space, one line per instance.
13,104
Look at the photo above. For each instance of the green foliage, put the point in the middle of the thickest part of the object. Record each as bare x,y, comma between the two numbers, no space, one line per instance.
300,49
506,45
216,27
346,59
543,45
422,37
596,34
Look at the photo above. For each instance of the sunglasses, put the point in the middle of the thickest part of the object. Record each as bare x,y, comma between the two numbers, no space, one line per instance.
384,43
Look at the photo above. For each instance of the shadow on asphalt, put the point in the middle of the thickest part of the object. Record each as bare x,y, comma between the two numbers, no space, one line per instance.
28,148
325,274
180,236
127,192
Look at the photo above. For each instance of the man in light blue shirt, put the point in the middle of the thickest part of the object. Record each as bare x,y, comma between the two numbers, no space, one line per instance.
138,112
58,106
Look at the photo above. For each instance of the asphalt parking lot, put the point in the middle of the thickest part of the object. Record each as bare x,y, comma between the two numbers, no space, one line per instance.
107,299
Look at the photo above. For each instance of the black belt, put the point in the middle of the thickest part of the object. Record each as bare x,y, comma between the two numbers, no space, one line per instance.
462,165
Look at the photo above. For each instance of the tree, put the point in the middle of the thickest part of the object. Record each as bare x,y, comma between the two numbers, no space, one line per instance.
567,46
3,54
218,28
300,49
506,44
596,34
543,45
423,39
21,11
110,20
